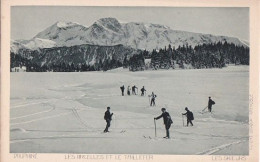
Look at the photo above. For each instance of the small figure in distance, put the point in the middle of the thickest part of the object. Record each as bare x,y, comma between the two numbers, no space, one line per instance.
153,96
133,90
142,90
108,118
128,90
210,103
122,90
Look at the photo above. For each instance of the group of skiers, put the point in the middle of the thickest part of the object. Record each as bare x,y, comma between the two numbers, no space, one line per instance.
143,92
165,115
134,88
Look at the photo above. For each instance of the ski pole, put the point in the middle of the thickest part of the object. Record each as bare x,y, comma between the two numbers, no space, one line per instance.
204,108
155,128
182,121
115,120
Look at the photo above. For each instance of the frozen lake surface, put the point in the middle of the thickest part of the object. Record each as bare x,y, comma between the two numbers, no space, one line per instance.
63,112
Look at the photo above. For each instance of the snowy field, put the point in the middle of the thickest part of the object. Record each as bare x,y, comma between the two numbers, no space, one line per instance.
63,112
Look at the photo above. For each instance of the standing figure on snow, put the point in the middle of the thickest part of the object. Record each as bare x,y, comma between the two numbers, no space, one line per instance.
153,96
166,120
128,90
108,118
122,90
133,90
142,90
210,103
189,116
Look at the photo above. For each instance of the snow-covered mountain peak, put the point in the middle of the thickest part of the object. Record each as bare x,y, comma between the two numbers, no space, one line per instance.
147,25
109,31
110,23
36,43
15,46
32,44
61,29
108,20
158,26
62,24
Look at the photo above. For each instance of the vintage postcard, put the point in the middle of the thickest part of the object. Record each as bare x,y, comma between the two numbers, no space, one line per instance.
129,81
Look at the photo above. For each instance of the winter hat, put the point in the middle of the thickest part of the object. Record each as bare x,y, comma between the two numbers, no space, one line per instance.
163,109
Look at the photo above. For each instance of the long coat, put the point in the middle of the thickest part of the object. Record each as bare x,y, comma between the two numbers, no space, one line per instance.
166,118
210,103
189,115
108,115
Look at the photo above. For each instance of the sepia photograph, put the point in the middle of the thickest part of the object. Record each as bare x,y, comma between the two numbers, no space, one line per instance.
129,80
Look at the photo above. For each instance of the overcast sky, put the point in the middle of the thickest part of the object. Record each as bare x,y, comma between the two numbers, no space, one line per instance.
26,22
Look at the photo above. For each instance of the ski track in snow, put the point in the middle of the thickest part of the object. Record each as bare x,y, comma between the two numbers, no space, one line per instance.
59,137
46,137
34,103
97,98
210,135
13,141
79,118
41,112
218,148
44,118
23,105
74,112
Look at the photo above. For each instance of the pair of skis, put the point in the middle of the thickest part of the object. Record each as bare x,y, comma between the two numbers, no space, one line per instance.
122,131
155,133
203,111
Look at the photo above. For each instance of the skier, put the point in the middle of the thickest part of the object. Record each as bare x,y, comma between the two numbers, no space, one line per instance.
210,103
108,118
128,90
142,90
166,120
189,116
133,90
122,89
153,99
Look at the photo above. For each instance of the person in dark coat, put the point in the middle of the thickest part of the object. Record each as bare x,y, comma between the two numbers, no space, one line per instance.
142,90
128,90
122,89
189,116
153,96
166,120
108,118
133,90
210,103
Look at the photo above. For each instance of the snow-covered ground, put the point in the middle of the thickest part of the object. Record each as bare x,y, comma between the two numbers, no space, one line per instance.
63,112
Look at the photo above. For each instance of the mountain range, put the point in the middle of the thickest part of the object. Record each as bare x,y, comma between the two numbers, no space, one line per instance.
110,32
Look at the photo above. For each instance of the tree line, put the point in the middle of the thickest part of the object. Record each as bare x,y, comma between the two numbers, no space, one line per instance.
214,55
19,61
